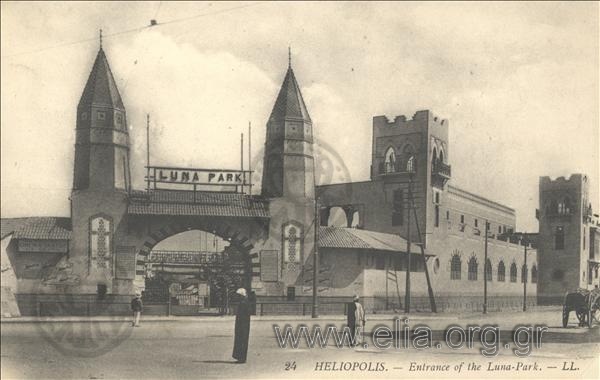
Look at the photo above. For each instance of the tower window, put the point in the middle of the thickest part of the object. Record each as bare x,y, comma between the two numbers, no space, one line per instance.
559,237
390,161
462,219
101,115
476,223
437,216
447,215
499,229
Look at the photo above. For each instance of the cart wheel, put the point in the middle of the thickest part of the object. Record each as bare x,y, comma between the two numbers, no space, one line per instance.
565,316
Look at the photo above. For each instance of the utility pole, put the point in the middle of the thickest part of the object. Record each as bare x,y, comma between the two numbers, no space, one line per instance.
147,151
315,296
485,258
410,205
526,242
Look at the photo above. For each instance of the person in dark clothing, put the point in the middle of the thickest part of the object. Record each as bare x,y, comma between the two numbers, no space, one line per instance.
351,321
136,307
242,327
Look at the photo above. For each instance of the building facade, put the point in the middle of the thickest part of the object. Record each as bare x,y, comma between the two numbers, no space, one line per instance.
409,214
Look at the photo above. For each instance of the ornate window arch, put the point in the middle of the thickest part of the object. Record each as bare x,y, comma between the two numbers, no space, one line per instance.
488,269
100,241
534,274
513,272
455,267
524,273
409,158
390,160
501,271
292,246
473,268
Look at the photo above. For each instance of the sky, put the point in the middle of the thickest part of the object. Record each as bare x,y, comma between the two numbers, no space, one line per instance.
518,82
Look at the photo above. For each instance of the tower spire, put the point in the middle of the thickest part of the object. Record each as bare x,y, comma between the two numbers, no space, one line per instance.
289,57
100,38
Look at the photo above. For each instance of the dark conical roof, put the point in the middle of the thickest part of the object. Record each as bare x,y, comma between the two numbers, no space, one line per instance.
101,88
289,103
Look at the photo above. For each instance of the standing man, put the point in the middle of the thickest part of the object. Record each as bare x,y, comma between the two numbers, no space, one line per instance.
351,321
242,327
359,318
136,307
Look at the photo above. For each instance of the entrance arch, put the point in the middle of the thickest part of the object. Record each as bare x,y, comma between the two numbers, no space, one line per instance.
239,238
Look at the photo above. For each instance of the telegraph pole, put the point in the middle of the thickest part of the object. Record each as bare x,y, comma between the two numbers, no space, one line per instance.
407,295
315,296
485,258
526,242
148,152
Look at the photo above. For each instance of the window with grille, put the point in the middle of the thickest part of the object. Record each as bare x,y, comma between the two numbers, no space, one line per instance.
455,267
473,269
513,272
501,271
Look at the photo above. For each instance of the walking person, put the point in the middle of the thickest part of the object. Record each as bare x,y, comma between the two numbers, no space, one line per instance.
242,327
359,321
136,307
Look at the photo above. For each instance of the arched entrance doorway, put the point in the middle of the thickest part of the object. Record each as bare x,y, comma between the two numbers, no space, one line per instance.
194,271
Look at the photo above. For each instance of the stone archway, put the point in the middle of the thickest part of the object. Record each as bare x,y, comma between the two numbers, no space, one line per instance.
234,235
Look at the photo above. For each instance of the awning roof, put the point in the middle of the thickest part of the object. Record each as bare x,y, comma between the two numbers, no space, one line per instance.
353,238
37,228
186,203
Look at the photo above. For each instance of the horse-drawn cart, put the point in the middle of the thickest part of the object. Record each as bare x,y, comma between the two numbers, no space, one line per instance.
586,305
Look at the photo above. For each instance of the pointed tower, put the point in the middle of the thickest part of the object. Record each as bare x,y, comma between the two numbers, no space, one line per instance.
100,180
289,181
289,164
102,144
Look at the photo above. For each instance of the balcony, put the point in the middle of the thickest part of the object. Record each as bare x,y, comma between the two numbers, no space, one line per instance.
440,174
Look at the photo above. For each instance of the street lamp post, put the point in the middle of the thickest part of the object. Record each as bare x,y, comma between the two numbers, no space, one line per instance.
410,170
315,294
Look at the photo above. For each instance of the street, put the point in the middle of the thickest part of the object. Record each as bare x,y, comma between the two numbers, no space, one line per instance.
201,347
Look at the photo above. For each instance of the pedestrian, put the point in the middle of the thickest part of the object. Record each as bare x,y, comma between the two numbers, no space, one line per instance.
136,307
359,320
351,320
242,327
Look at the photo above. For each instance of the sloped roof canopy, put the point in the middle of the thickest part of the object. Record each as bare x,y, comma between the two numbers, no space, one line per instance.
353,238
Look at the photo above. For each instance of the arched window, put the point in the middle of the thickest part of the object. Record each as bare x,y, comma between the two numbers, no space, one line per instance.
292,244
409,156
434,158
455,267
534,274
100,242
524,273
513,272
567,206
390,160
553,207
488,270
441,156
473,269
501,271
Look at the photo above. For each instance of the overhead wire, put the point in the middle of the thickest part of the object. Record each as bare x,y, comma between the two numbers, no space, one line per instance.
151,25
